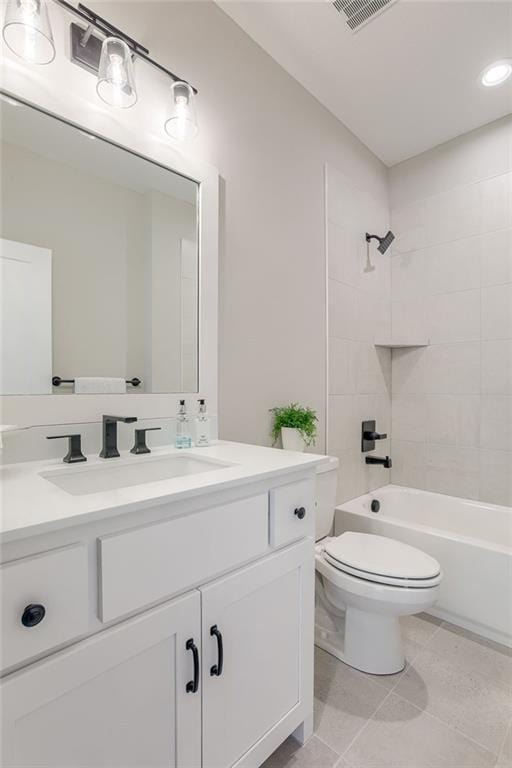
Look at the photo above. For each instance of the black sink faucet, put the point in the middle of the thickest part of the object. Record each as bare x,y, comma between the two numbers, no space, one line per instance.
385,461
109,450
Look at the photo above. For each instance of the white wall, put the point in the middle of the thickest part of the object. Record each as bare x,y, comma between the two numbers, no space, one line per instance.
452,283
359,301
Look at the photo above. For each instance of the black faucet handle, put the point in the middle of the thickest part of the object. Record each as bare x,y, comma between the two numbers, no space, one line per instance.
74,454
140,439
374,436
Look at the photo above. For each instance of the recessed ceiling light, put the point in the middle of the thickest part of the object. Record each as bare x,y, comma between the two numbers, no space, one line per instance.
496,73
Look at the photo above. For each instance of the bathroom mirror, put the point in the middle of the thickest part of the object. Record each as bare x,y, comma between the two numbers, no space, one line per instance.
99,264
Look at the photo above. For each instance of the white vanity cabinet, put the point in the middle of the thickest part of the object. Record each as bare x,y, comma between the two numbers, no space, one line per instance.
195,652
254,619
116,700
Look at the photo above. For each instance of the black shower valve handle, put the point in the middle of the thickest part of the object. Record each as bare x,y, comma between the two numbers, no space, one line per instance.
374,436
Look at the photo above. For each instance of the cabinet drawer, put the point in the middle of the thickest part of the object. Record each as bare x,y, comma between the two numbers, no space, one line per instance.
58,582
292,512
149,564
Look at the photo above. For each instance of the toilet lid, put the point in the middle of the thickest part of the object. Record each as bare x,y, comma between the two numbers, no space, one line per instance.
380,556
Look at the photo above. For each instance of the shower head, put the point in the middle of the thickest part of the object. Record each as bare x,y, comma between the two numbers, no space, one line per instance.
384,242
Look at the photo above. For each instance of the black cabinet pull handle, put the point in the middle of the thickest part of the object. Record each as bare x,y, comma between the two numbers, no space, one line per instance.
193,685
300,512
33,615
216,670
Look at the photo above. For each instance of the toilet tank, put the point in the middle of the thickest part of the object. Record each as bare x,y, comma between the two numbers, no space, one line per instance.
326,483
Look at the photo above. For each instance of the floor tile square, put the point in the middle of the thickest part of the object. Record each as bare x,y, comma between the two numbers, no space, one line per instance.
402,736
344,700
470,702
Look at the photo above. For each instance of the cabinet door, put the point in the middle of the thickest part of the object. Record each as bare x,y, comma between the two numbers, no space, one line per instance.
260,613
118,699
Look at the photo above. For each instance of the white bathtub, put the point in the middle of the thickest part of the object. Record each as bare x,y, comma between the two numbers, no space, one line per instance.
471,540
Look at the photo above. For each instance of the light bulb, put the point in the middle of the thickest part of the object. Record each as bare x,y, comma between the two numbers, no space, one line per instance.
115,71
27,31
182,122
116,83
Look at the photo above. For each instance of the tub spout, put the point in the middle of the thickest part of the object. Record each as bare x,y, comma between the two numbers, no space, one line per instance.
385,461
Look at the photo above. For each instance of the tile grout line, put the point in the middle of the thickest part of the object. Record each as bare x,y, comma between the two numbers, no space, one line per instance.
370,719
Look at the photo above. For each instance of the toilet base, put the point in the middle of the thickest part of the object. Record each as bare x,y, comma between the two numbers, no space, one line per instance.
369,642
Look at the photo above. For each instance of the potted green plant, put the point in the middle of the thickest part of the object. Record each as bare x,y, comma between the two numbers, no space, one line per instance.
295,425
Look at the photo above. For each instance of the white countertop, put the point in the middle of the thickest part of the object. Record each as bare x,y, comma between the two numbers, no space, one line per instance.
32,505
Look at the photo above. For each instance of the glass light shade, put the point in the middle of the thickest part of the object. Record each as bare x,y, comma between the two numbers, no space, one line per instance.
182,122
116,83
27,31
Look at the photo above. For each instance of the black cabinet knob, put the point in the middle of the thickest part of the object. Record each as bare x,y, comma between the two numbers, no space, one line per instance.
300,512
33,615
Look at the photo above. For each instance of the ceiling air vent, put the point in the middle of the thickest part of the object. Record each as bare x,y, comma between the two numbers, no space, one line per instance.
359,12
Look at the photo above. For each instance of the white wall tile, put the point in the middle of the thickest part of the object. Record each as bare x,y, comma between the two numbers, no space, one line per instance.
343,254
497,257
497,312
496,423
496,477
452,368
497,367
375,407
409,464
409,277
409,320
454,471
453,420
373,370
409,371
496,202
351,477
453,317
409,417
344,424
342,366
344,309
408,224
453,266
453,214
359,309
452,278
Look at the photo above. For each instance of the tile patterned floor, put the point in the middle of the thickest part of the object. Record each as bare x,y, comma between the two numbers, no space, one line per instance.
451,707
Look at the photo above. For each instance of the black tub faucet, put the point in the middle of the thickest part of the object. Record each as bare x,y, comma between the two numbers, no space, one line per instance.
109,449
385,461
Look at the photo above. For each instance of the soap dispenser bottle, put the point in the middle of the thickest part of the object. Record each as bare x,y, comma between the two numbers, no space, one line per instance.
183,438
202,425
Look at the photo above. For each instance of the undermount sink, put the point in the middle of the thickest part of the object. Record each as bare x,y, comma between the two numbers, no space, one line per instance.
123,473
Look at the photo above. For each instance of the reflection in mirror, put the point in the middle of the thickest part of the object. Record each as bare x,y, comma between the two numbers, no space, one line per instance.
99,264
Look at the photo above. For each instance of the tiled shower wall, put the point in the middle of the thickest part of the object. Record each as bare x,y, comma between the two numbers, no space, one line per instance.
452,284
359,382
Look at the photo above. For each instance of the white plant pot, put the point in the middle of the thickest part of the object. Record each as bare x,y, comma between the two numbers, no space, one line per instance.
292,439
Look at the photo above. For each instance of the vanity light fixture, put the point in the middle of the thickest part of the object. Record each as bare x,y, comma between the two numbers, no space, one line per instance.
182,122
496,73
116,84
108,55
27,31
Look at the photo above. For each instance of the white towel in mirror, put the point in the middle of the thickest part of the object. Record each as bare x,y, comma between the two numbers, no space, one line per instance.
99,385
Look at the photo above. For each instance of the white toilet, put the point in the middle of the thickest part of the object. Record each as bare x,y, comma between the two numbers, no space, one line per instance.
364,583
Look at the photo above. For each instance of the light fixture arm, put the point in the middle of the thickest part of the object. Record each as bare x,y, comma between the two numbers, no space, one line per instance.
107,29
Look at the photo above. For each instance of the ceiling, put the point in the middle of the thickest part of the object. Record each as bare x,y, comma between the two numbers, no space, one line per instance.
403,83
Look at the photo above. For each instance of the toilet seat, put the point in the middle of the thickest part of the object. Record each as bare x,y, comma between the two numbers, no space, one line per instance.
381,560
